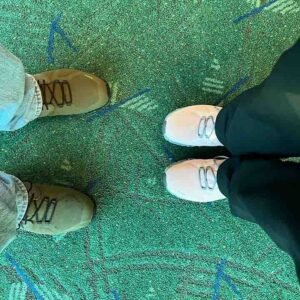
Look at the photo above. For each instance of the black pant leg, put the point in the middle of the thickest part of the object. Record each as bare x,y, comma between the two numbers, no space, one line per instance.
266,118
266,192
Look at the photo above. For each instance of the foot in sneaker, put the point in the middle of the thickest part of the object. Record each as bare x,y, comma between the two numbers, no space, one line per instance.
192,126
56,210
70,92
194,180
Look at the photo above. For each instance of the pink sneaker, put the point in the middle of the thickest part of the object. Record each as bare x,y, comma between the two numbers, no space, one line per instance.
195,179
192,126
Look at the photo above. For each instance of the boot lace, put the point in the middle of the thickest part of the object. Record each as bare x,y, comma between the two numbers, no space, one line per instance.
65,90
48,204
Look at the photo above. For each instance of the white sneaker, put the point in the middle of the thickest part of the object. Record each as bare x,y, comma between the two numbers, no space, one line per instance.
192,126
195,180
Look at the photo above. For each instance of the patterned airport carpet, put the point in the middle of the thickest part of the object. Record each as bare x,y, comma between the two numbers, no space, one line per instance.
157,55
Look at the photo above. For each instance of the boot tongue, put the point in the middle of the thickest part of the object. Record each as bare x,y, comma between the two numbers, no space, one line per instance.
32,190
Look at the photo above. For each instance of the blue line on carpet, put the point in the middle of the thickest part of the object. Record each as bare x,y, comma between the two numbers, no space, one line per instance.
111,108
236,86
220,275
217,283
253,12
24,277
55,28
232,286
116,295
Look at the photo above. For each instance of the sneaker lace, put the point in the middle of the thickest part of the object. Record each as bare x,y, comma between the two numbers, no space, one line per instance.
203,131
46,216
208,172
65,89
203,177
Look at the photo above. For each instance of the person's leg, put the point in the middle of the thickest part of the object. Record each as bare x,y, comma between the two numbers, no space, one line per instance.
266,118
266,192
20,99
13,204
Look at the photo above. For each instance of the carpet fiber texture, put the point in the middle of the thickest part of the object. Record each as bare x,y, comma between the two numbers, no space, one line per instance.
157,56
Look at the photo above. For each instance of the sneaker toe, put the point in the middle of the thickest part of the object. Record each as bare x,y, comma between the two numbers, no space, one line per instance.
181,180
180,127
74,212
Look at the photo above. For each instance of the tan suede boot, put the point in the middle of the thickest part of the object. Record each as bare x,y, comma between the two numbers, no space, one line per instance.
70,92
56,210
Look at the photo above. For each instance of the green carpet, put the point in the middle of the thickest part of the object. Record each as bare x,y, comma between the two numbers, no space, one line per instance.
157,56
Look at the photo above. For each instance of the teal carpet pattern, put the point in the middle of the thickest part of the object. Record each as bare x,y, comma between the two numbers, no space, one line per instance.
143,243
